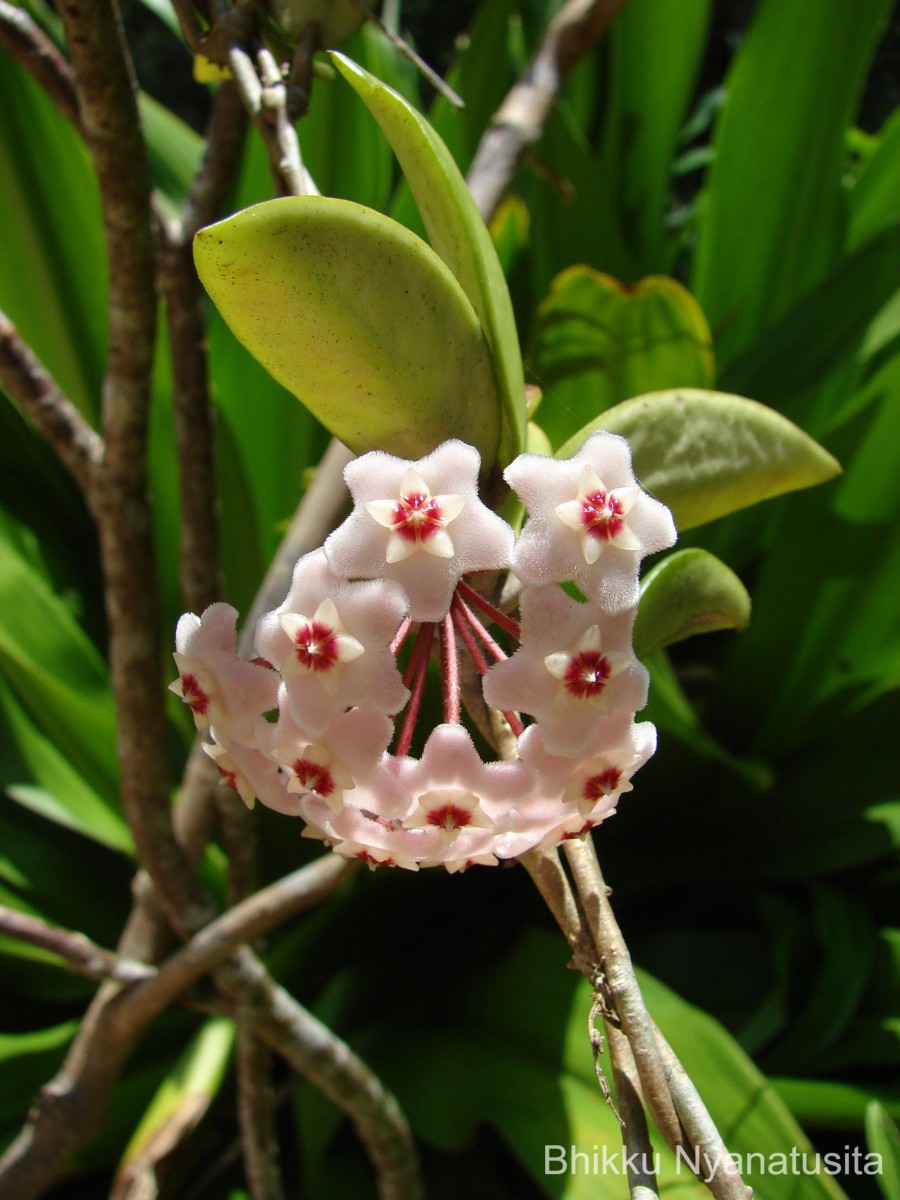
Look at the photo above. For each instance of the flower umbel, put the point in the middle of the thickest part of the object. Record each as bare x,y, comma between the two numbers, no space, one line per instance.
399,595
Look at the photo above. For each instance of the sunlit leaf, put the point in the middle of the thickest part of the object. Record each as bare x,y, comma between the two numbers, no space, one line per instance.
689,592
597,343
457,232
706,454
359,319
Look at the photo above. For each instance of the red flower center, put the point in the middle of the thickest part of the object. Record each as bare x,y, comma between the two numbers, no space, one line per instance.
449,816
601,515
603,784
587,674
313,776
417,517
193,694
316,646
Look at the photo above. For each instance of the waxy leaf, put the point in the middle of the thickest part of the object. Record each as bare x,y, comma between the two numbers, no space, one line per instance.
689,592
597,343
706,454
359,319
457,232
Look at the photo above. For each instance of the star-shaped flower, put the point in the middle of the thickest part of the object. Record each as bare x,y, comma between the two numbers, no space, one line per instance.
588,521
574,665
590,784
330,640
419,523
252,774
350,753
220,688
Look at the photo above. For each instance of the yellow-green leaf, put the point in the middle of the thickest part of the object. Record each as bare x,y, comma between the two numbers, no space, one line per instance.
359,319
706,454
597,342
457,233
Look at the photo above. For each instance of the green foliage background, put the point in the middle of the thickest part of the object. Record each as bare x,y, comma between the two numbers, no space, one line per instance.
755,865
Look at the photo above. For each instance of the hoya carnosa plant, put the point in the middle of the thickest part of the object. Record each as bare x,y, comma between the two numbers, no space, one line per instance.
407,352
405,581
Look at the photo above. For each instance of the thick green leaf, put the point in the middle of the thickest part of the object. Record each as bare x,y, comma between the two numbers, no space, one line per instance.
772,223
357,317
655,50
689,592
706,454
263,447
597,343
883,1139
458,234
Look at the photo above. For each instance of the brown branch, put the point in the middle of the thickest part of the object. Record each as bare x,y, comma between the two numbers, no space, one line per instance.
254,1060
519,122
257,1103
24,377
108,103
329,1063
26,42
201,582
78,951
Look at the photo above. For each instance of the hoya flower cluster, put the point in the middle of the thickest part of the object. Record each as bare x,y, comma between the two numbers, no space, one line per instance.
323,722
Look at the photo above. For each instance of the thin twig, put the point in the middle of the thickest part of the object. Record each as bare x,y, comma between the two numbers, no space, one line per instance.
407,51
78,445
22,38
519,122
720,1175
622,986
200,574
78,951
254,1060
639,1157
